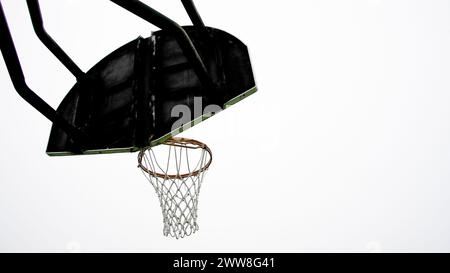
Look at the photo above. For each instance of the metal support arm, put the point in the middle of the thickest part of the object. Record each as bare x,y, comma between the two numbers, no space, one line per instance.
38,25
154,17
193,14
16,73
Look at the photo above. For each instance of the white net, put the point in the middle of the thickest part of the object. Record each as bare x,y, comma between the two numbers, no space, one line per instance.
176,170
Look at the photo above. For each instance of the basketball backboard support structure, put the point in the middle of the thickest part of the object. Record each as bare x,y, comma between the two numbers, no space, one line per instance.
124,103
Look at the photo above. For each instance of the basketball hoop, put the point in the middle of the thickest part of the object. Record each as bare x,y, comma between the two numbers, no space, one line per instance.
139,83
176,170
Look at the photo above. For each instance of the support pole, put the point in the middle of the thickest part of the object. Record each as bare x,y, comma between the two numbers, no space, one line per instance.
193,14
154,17
16,73
38,25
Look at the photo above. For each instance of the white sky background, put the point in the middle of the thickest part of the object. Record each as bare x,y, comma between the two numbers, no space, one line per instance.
346,146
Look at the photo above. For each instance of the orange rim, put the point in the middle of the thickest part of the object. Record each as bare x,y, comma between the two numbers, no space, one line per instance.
178,142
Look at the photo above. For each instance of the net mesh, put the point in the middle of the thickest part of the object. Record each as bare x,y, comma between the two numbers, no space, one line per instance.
176,171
